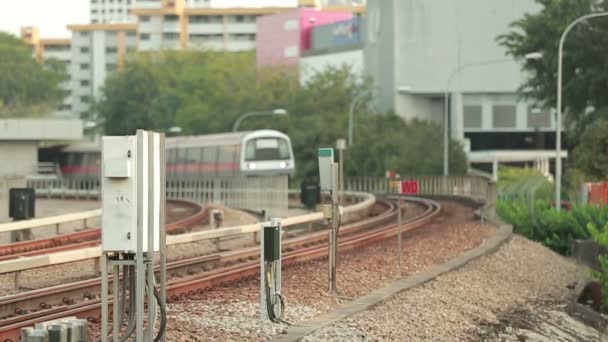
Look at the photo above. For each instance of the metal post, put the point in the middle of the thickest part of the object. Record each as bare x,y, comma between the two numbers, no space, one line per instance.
162,233
333,234
104,297
341,146
399,248
150,283
558,123
140,279
115,305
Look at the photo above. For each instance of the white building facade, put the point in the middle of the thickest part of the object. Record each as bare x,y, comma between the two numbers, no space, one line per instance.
111,11
97,51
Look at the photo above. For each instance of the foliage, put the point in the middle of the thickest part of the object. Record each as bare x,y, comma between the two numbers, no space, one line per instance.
590,154
585,76
28,88
546,225
601,237
524,182
206,92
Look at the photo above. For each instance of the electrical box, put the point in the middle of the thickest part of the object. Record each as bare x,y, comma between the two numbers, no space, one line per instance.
131,173
22,203
326,174
272,243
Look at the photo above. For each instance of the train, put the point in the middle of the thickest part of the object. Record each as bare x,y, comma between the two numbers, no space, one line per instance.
255,153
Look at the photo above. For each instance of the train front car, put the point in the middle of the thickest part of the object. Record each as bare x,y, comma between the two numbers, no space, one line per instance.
266,152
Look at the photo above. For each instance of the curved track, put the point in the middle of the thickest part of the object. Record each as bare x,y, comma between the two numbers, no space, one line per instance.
180,214
191,276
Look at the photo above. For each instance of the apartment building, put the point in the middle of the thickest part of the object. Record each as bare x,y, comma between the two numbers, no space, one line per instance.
175,26
111,11
59,49
97,50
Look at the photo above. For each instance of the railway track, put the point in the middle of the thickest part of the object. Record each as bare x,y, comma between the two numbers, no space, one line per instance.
189,214
195,275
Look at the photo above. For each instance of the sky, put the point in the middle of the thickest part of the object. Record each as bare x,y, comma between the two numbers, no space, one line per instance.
52,16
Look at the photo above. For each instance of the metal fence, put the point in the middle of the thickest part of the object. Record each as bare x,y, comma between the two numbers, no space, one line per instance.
470,186
249,193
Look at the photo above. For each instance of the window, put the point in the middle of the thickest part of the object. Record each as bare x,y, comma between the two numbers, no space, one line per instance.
93,1
504,116
111,49
94,11
171,18
84,66
83,34
119,10
539,118
144,36
144,18
94,21
84,83
170,35
267,149
243,37
198,19
131,34
84,49
85,99
239,18
472,116
111,67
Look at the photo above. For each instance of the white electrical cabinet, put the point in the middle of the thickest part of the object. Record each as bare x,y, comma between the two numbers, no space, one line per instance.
130,191
326,173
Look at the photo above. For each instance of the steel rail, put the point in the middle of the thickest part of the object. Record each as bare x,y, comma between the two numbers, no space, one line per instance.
183,287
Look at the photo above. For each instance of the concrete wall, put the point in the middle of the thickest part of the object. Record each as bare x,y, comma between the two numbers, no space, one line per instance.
379,52
19,158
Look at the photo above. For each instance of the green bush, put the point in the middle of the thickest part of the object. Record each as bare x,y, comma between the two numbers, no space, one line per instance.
601,237
546,225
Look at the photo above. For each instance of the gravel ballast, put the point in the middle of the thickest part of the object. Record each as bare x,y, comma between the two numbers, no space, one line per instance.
521,274
305,285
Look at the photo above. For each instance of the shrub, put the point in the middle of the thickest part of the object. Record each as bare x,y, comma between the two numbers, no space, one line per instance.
546,225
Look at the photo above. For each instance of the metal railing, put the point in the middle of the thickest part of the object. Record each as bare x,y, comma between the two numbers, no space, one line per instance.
478,188
258,194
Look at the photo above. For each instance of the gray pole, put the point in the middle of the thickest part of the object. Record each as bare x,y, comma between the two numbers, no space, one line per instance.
399,247
446,107
162,233
558,123
351,120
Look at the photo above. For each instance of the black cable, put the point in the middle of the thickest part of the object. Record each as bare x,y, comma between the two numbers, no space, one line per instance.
163,316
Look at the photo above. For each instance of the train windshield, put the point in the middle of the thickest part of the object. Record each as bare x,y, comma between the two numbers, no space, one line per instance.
267,149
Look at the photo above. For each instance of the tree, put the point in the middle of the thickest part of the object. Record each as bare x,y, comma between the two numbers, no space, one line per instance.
205,92
27,87
585,68
591,154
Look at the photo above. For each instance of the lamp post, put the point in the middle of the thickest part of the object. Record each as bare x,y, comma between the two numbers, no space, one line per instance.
446,170
278,111
558,123
353,104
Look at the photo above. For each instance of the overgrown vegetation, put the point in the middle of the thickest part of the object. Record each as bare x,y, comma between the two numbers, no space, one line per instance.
205,92
544,224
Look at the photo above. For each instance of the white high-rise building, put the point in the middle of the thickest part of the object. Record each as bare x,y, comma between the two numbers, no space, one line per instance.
97,51
112,11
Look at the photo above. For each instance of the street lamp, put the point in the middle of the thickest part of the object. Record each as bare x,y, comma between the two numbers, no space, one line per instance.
350,117
175,130
528,56
558,124
278,111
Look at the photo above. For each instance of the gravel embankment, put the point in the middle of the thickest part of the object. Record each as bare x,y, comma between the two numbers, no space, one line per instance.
305,285
521,274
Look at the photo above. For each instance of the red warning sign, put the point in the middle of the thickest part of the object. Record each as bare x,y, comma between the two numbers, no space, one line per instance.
410,187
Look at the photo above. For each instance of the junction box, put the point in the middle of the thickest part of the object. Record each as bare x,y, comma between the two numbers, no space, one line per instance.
128,184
